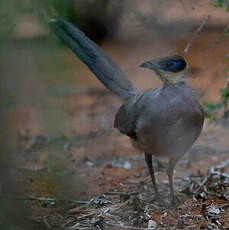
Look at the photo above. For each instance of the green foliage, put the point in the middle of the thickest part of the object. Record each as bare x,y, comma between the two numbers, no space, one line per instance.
53,8
209,110
221,3
12,11
212,110
64,8
224,96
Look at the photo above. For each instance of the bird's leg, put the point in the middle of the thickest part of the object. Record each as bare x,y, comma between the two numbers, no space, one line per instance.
148,159
172,163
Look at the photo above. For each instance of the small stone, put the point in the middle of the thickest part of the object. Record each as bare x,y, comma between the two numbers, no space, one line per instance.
213,210
152,224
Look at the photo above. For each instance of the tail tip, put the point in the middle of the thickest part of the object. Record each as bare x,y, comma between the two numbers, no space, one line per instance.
53,20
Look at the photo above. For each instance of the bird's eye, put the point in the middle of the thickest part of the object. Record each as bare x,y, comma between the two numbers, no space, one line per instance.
169,64
173,65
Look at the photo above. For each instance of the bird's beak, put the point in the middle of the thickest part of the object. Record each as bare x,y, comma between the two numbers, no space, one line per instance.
150,65
146,64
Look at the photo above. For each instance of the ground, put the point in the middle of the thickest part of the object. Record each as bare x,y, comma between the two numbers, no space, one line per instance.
73,170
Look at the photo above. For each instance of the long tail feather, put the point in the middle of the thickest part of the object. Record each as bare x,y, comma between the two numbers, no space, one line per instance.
94,57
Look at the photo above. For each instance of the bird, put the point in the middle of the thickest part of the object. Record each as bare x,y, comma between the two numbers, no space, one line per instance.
164,121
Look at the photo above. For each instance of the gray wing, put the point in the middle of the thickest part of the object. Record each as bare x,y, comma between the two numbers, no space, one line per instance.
96,60
125,121
127,116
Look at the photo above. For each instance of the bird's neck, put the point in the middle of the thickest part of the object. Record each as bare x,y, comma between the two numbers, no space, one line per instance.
174,80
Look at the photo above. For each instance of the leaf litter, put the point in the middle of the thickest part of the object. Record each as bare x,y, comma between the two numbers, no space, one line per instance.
203,203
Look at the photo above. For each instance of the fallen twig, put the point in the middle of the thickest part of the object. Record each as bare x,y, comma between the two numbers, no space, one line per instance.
121,193
50,199
197,32
211,50
213,183
46,223
127,227
101,213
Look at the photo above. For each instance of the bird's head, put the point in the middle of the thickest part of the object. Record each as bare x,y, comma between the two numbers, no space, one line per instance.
170,69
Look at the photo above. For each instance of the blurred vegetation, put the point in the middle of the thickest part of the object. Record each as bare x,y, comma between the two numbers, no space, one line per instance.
11,11
28,58
218,112
222,3
21,60
213,110
96,18
42,56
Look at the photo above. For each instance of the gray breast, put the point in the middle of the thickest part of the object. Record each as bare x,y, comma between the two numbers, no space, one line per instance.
169,122
164,121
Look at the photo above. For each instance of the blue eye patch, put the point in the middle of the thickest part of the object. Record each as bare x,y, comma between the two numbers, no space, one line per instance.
172,65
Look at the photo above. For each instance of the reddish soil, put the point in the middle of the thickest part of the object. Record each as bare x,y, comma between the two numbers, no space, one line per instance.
83,165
